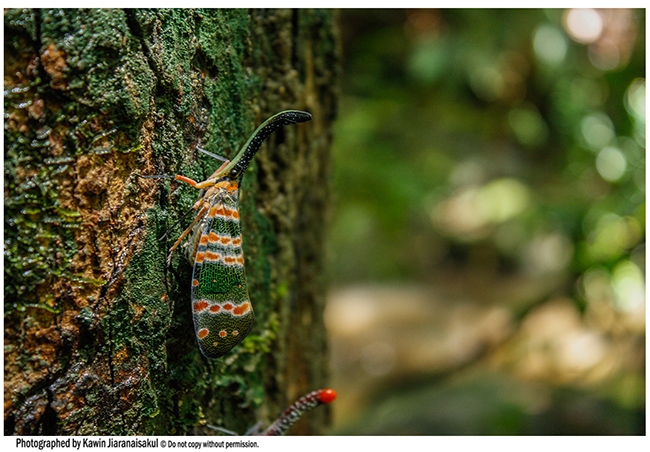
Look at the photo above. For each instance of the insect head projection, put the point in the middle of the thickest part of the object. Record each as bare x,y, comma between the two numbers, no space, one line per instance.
291,415
222,310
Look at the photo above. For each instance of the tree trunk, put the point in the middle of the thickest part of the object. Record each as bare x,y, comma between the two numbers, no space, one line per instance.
98,330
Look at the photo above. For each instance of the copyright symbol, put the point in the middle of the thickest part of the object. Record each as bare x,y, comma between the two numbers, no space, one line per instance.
163,443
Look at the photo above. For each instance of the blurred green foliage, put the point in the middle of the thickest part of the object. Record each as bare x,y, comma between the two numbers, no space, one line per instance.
491,128
498,145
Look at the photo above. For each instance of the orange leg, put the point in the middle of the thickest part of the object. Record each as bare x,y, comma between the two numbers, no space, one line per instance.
204,184
200,214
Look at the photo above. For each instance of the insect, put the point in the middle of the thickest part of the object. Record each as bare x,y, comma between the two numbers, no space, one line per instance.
221,308
299,407
291,415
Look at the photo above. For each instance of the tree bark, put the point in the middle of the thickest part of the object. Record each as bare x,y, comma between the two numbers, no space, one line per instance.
98,331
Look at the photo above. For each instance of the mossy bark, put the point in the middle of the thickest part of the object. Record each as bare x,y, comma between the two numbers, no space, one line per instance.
98,331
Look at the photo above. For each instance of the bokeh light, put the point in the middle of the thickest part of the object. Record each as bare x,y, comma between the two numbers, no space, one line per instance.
488,239
550,44
583,25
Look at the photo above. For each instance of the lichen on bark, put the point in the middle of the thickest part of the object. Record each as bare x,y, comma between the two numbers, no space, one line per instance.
98,334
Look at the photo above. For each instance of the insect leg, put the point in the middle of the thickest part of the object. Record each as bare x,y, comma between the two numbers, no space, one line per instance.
186,232
221,429
199,185
218,157
201,212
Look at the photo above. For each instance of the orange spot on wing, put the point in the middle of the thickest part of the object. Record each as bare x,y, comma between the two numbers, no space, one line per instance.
242,309
202,333
211,255
215,308
204,239
228,306
232,213
236,241
200,257
200,305
195,282
222,333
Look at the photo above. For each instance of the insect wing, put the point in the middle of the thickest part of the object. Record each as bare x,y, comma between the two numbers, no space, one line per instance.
222,311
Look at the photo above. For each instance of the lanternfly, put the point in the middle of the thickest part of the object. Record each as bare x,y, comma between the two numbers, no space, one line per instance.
222,310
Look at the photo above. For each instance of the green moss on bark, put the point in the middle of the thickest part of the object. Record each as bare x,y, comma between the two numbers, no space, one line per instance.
93,316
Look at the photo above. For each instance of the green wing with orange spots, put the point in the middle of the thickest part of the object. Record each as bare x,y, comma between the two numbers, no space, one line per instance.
222,311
